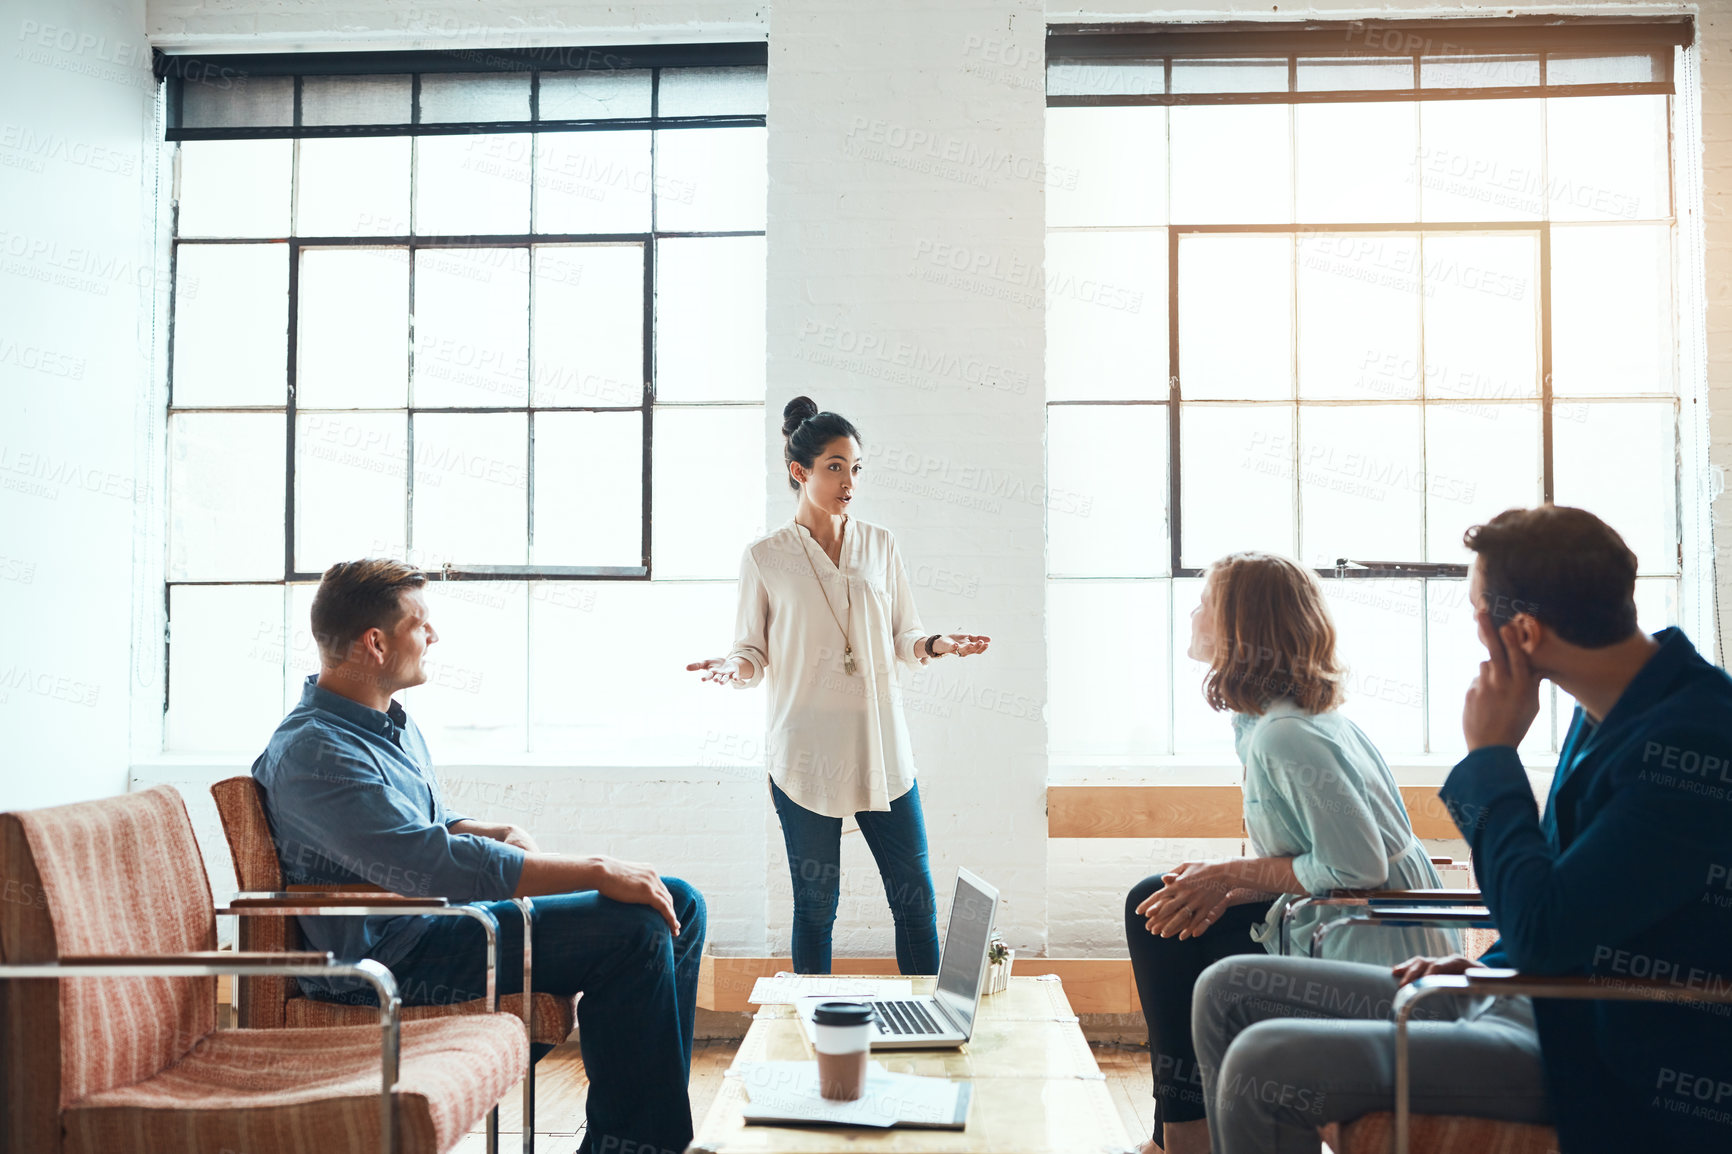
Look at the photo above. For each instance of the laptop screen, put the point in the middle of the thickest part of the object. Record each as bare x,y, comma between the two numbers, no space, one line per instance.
962,966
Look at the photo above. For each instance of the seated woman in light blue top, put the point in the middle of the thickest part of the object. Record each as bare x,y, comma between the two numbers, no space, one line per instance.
1322,812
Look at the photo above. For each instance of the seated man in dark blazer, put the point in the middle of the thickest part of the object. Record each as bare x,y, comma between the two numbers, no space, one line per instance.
1625,875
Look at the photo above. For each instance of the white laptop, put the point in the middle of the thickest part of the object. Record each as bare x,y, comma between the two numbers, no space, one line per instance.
944,1019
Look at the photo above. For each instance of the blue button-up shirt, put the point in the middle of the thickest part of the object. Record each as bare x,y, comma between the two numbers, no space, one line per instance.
351,796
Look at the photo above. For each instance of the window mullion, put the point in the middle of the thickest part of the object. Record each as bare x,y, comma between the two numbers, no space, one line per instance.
289,409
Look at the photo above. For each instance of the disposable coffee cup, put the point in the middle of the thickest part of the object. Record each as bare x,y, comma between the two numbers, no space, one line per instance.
842,1034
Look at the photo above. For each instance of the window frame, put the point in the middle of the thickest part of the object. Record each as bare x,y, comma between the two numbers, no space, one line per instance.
1147,43
152,720
231,70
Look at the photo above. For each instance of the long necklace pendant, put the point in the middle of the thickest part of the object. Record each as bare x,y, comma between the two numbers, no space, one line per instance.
848,660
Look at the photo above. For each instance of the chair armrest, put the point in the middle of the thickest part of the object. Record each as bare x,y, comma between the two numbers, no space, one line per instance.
1481,981
1403,917
345,887
1366,899
1513,983
248,958
1374,897
211,963
347,904
1430,915
264,900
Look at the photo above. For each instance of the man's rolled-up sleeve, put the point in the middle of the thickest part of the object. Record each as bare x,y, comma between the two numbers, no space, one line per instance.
443,814
334,805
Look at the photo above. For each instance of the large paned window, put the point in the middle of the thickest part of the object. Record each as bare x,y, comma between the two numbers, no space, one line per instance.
1340,294
498,314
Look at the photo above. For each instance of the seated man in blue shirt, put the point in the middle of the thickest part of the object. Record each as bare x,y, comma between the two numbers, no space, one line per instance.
1625,875
351,796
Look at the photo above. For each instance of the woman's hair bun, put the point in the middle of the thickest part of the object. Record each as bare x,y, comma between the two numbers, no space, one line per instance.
806,431
797,410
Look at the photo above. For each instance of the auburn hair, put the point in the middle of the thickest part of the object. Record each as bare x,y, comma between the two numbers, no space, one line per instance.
1274,637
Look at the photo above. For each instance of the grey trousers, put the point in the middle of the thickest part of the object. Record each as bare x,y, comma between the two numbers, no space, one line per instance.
1286,1045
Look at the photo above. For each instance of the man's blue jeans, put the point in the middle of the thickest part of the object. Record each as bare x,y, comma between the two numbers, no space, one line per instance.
639,986
897,840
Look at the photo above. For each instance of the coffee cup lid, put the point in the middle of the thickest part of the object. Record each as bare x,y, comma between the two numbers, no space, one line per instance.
842,1014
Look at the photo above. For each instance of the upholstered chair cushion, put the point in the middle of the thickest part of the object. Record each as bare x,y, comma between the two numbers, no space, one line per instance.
249,833
123,876
308,1092
29,1010
554,1017
279,1001
258,1001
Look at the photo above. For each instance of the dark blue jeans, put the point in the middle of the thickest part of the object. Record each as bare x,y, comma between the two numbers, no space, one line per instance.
897,840
639,986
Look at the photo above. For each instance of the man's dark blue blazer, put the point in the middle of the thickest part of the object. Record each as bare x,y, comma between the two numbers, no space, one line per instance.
1627,875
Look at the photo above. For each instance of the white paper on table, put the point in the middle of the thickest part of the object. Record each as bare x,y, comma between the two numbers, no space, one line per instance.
788,1091
785,989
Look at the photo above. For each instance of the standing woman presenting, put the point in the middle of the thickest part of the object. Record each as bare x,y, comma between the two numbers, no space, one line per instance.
826,613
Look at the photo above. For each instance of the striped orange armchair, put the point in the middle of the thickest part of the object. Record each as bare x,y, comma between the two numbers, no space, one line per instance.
273,1000
278,1001
108,1038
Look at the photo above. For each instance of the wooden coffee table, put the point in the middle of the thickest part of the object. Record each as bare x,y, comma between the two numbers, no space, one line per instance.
1036,1086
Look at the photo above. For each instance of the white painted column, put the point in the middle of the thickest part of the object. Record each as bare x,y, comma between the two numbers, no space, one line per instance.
905,292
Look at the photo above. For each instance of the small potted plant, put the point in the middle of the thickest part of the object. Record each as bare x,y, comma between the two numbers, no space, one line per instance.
999,956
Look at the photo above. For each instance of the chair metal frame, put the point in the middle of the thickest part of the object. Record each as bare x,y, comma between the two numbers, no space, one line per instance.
363,904
353,900
1465,917
1422,908
216,963
1368,900
1482,982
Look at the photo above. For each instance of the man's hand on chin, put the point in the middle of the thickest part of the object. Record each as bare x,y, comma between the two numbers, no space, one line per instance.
1504,699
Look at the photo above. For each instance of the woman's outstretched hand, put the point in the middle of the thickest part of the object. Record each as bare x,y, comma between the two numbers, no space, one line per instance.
721,670
961,644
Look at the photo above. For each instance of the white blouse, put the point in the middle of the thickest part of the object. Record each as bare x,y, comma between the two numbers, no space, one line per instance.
838,742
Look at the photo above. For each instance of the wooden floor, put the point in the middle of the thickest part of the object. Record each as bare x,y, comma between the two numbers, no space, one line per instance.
560,1088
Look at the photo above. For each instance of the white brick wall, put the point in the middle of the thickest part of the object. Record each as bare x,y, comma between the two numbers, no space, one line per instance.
1087,880
881,114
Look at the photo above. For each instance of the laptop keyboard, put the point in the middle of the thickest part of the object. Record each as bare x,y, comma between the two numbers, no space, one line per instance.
906,1018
